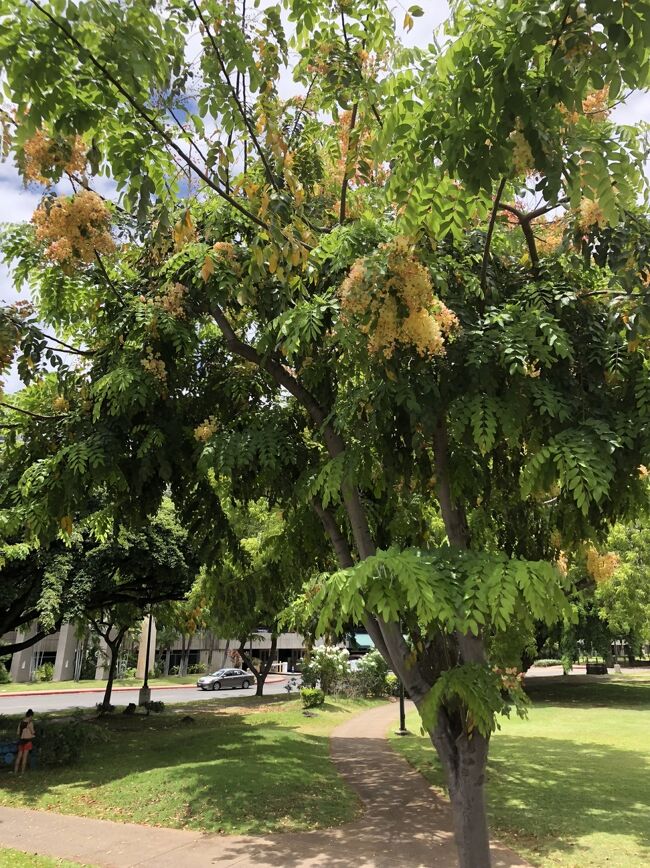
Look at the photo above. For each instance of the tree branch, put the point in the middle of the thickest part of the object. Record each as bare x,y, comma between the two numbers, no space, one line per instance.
373,107
452,516
490,232
38,416
346,179
21,324
339,542
300,112
142,112
333,440
242,111
102,267
15,647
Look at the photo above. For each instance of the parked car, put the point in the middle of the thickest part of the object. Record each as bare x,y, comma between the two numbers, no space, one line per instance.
225,678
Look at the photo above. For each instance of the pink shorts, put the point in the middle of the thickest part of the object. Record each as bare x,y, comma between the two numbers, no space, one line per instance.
24,745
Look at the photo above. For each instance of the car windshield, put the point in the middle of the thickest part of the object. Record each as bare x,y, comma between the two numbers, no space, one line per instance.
218,672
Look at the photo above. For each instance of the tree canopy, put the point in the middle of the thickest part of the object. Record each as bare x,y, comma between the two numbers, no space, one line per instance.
84,576
417,289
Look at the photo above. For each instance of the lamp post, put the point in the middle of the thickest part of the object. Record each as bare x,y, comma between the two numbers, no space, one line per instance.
146,662
402,713
145,691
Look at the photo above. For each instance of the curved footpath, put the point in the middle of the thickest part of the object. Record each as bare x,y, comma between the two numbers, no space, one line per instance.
405,824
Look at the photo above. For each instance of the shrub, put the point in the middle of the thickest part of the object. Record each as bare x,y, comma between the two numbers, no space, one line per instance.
548,661
173,670
567,663
153,705
197,669
312,697
392,684
325,666
60,744
129,673
348,686
44,672
5,677
371,674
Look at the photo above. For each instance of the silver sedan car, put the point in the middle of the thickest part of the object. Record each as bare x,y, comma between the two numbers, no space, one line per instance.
225,678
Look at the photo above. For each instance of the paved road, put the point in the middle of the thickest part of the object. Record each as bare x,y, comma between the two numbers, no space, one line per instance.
10,704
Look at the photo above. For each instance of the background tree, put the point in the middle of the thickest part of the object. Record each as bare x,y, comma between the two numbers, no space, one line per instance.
250,589
376,315
623,595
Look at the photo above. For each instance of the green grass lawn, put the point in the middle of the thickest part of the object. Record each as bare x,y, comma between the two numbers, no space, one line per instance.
570,786
247,770
172,681
18,859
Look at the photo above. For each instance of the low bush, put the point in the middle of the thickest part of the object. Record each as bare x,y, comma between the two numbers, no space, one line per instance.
153,705
45,672
312,697
549,661
5,677
60,744
348,686
371,674
392,684
325,666
197,669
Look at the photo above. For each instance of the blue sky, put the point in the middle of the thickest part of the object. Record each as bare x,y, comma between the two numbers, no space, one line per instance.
17,203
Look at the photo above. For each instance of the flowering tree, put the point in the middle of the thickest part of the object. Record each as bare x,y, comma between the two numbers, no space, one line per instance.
436,301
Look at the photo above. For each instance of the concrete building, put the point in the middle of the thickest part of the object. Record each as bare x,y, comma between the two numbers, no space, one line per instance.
69,652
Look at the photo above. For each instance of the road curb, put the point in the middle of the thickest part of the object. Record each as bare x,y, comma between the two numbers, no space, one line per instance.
271,679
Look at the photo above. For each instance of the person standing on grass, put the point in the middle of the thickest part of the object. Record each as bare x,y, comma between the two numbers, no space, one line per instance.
26,736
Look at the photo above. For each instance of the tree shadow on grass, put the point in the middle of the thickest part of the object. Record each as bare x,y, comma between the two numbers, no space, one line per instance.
220,773
565,692
552,792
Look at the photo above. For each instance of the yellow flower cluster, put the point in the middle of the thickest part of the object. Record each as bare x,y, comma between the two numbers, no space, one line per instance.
60,404
395,304
44,156
590,214
511,678
76,227
549,235
522,157
601,567
205,430
562,563
154,365
225,249
596,105
173,301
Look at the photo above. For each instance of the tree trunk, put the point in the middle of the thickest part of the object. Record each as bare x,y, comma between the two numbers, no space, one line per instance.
467,794
113,646
260,676
182,665
224,662
168,659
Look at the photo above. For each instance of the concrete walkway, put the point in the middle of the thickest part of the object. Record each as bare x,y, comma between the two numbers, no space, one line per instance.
405,824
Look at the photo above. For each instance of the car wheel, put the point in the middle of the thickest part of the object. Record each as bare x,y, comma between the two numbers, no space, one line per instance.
216,685
244,684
